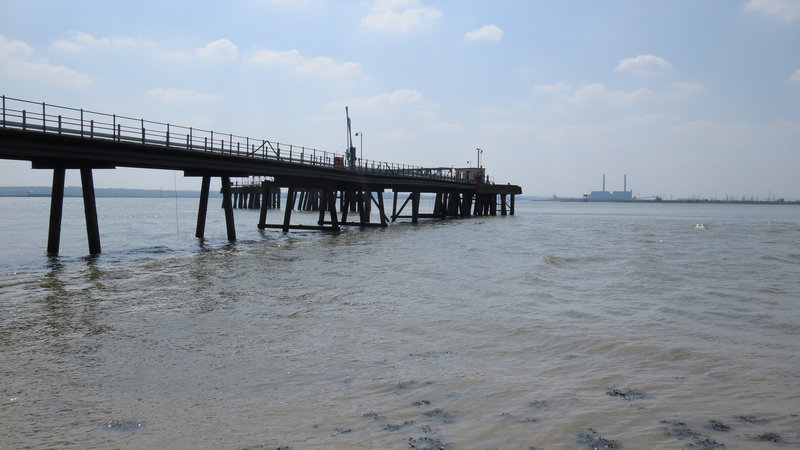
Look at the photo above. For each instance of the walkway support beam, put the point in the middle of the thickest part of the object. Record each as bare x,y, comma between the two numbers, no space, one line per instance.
90,210
56,210
287,215
262,217
202,210
228,207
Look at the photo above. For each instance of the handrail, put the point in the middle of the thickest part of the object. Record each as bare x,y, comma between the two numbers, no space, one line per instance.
48,118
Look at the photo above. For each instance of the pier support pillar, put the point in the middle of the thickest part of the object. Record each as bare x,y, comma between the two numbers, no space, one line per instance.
466,204
415,207
56,209
262,217
394,207
330,199
202,209
503,205
384,219
287,215
511,212
363,215
90,210
227,205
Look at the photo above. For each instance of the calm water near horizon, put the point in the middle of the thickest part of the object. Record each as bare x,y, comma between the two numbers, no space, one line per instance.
566,326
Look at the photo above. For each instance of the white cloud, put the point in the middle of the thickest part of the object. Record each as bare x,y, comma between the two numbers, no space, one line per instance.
399,16
78,41
221,50
324,67
318,67
596,93
561,86
385,101
795,77
16,62
644,65
491,33
272,57
173,95
14,49
783,10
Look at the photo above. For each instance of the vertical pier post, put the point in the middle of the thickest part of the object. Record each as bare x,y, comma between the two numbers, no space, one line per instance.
202,209
345,205
56,209
227,205
362,208
380,209
90,210
287,215
262,217
415,207
469,197
394,207
330,198
323,207
512,205
503,204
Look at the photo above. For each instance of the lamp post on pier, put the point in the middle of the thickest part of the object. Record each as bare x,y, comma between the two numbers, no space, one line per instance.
361,145
479,156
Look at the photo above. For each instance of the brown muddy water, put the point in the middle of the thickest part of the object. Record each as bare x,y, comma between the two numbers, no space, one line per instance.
566,326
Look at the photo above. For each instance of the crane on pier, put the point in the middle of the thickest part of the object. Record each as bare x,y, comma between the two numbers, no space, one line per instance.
351,150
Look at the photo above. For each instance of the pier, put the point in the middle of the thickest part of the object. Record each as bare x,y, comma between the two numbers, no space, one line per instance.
343,189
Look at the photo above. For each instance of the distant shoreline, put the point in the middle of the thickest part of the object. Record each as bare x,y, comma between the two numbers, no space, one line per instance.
76,191
683,201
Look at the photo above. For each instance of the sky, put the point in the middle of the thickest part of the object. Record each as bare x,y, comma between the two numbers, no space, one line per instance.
688,98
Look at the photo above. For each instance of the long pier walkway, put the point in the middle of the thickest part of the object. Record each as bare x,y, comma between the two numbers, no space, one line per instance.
61,138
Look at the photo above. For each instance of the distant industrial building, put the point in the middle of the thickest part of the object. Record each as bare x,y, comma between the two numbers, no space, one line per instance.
604,195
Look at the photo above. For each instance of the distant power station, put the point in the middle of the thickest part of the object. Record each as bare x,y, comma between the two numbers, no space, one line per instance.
604,195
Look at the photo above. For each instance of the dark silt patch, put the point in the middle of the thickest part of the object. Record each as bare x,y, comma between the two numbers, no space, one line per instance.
538,404
428,443
125,426
626,394
715,425
770,437
390,427
421,403
752,420
592,439
696,440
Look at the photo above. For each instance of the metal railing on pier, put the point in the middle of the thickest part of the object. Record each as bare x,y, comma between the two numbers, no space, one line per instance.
34,116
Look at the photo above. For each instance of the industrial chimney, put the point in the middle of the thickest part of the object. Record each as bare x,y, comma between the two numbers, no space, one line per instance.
604,182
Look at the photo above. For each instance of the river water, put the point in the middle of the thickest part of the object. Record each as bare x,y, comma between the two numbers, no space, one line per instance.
566,326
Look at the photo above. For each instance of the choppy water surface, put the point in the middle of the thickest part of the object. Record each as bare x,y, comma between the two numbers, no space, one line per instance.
569,325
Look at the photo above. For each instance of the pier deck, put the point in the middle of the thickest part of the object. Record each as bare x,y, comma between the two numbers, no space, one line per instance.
61,138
